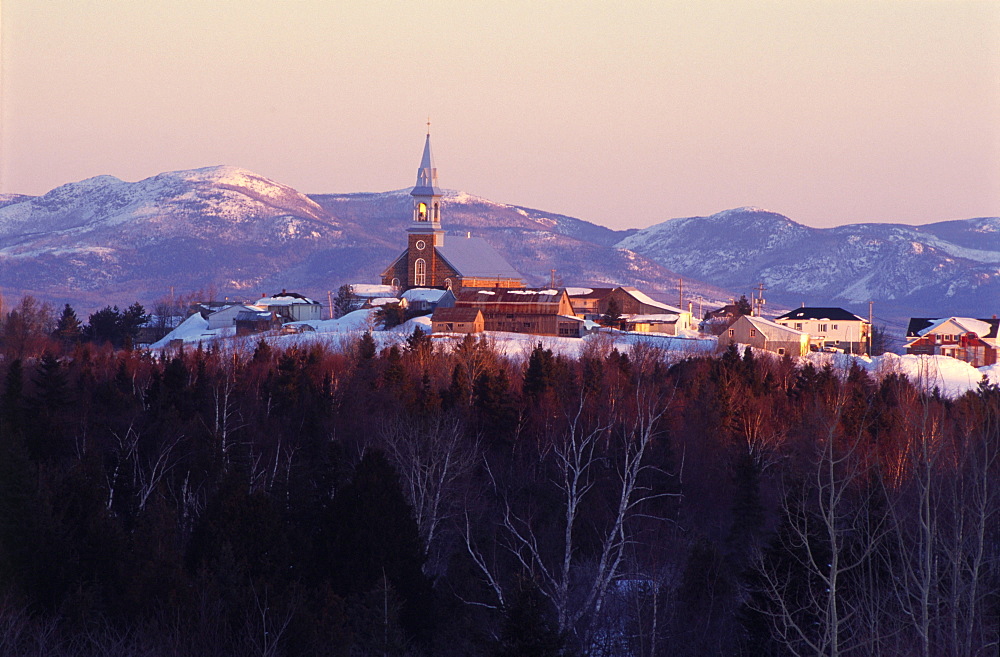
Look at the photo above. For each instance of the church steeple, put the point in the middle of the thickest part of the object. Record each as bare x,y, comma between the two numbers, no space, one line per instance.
427,174
427,197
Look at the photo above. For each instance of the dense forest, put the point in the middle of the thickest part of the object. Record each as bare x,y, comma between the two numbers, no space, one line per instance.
429,499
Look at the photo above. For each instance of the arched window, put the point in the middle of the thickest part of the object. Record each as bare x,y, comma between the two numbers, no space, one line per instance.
395,282
421,212
437,212
447,283
420,272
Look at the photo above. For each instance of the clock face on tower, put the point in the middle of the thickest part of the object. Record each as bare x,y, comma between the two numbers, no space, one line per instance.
420,245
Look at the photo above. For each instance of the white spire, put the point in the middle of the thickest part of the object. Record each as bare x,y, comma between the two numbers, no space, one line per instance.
427,175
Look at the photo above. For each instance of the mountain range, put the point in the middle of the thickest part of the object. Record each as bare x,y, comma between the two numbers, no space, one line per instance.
229,232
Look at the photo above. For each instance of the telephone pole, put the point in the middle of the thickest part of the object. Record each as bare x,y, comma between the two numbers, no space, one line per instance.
758,300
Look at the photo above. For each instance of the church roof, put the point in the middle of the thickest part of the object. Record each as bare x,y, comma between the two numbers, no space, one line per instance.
427,175
474,257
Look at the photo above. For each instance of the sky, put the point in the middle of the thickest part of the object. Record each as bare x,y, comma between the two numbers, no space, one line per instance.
624,114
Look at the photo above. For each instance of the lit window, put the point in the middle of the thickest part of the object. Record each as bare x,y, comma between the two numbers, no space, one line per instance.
420,272
421,212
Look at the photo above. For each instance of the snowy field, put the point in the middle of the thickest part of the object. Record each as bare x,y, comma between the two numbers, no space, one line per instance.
952,377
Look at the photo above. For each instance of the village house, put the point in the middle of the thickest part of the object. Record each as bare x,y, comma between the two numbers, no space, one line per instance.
643,313
291,307
422,299
830,328
267,313
764,334
457,320
431,260
540,312
971,340
587,301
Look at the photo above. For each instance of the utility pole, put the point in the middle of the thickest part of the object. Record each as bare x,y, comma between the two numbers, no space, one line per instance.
870,327
329,302
759,301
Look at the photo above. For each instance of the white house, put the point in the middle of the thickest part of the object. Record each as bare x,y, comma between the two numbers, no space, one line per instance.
830,327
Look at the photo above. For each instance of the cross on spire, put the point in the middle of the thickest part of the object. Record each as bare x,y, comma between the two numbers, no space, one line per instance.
428,126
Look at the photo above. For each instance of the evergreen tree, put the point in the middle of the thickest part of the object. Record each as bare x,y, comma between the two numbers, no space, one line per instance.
376,543
345,301
104,326
613,315
528,628
68,328
366,346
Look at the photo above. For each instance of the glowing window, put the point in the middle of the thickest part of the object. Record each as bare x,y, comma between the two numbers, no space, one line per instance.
421,212
420,272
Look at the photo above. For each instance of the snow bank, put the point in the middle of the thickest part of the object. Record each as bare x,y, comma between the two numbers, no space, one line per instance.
191,329
951,376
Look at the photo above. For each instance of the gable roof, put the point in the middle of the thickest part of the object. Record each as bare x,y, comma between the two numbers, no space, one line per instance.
921,326
589,292
829,314
463,314
771,330
473,256
645,299
509,295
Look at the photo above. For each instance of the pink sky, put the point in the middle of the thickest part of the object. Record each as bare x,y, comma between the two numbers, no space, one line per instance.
624,114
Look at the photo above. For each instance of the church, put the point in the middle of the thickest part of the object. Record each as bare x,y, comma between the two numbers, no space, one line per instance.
430,260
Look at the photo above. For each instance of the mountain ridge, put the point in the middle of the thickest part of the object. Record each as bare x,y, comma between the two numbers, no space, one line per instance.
228,230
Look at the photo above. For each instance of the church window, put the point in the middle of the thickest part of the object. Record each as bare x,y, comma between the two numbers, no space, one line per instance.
420,272
447,283
395,282
421,212
437,212
420,245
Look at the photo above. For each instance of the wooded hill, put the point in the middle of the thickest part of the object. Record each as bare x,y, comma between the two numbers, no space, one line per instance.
424,501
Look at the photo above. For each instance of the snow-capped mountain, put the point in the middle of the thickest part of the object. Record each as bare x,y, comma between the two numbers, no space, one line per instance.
951,267
230,232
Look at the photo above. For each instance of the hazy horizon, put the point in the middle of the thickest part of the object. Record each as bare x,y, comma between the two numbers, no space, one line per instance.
828,112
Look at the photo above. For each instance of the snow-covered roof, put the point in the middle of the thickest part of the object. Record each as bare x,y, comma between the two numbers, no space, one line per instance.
473,256
427,294
662,319
965,324
644,298
772,330
383,301
285,300
371,291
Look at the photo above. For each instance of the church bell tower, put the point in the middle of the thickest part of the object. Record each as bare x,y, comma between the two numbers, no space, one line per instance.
425,231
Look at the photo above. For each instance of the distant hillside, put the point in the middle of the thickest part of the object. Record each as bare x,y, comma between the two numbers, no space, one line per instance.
951,267
231,232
